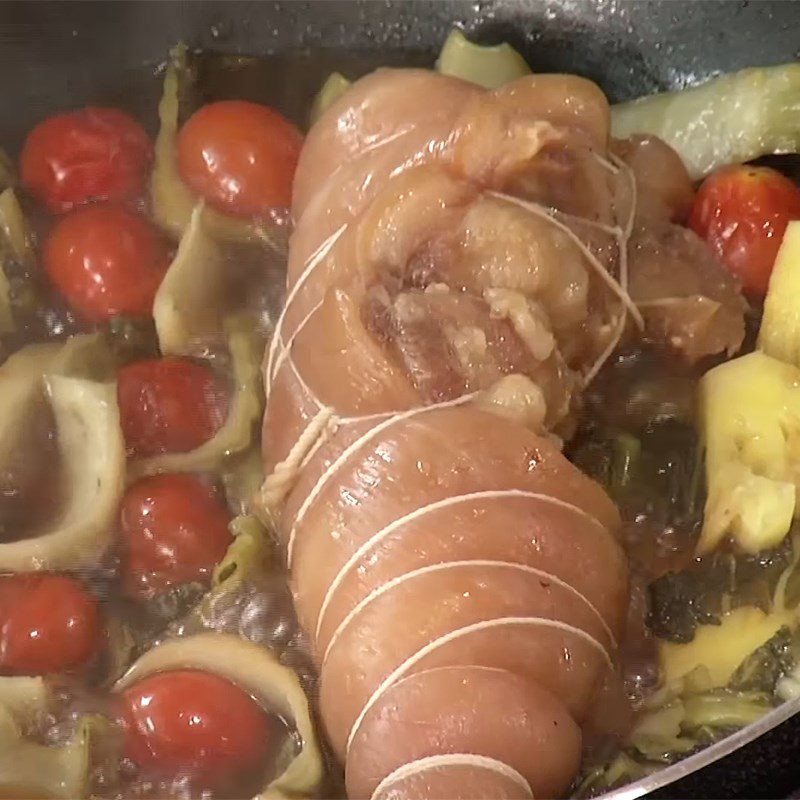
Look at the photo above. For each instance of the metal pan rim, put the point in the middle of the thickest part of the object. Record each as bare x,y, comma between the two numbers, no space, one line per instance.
711,754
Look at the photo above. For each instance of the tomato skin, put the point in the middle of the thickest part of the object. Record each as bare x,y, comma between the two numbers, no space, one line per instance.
742,212
106,261
88,154
48,623
193,720
174,530
240,156
169,405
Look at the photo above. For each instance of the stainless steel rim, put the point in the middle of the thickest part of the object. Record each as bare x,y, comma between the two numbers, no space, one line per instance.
715,752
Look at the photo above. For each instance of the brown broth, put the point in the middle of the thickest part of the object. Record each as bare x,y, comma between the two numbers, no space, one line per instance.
32,492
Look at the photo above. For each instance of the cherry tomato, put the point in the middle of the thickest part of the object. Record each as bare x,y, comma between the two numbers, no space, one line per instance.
105,261
48,623
175,530
240,156
89,154
742,213
189,720
169,405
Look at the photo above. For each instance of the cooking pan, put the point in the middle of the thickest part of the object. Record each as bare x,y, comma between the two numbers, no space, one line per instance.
55,55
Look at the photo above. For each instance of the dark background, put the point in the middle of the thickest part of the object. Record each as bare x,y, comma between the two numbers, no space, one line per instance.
57,54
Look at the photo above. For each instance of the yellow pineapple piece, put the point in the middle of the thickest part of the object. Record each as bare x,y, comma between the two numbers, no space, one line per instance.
750,412
716,651
779,336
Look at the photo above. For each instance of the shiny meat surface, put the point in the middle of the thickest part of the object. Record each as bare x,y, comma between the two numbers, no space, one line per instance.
446,304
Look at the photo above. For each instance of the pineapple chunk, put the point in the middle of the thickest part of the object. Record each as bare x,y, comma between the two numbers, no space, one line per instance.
779,336
717,650
334,87
750,410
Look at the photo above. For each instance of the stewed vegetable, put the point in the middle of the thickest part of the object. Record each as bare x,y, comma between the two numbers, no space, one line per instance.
196,722
514,447
240,156
106,261
85,155
169,405
48,623
742,212
163,369
174,530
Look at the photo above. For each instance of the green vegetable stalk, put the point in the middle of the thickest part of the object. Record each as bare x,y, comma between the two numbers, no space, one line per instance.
627,452
680,601
489,66
172,201
16,246
28,769
724,711
334,87
727,120
762,669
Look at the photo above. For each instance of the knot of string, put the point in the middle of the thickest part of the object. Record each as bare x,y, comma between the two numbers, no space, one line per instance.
284,475
618,285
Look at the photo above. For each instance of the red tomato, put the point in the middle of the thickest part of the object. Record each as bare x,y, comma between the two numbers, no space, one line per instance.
89,154
169,405
175,530
192,720
742,213
105,261
48,623
240,156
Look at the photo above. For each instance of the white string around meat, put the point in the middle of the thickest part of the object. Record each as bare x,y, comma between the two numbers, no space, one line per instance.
317,258
621,236
281,480
456,668
619,325
285,474
428,763
459,633
623,167
307,390
484,563
353,447
317,431
286,348
459,669
601,271
622,250
429,508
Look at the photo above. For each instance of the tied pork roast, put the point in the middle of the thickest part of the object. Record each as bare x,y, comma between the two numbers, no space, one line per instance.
463,262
